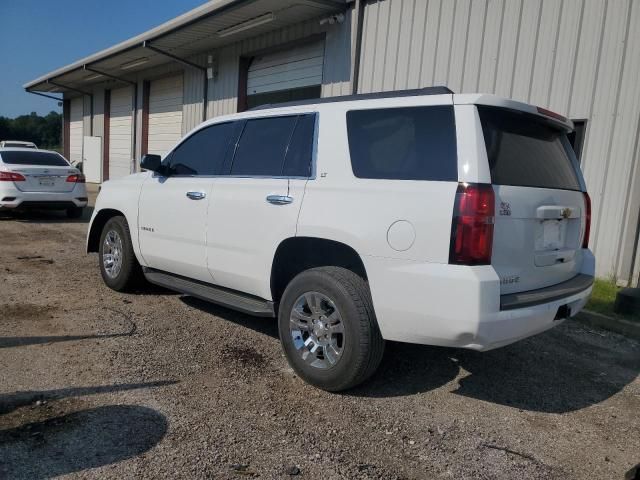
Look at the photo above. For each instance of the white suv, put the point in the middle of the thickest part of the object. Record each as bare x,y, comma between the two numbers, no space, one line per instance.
417,216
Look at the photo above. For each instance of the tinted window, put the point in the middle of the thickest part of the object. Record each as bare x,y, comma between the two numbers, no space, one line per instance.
262,146
298,159
527,151
415,143
203,152
44,159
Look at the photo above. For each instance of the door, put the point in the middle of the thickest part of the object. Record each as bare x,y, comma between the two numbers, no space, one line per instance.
287,75
120,133
256,206
173,207
540,211
92,159
76,122
165,114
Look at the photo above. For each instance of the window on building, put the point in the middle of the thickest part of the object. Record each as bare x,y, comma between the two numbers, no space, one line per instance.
413,143
203,152
576,138
292,95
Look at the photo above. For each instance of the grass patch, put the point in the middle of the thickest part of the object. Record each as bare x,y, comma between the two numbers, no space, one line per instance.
603,297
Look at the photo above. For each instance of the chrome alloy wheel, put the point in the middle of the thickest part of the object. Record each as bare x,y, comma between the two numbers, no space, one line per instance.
317,330
112,253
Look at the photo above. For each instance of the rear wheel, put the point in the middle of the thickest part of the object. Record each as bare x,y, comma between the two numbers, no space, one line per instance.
118,264
74,212
328,328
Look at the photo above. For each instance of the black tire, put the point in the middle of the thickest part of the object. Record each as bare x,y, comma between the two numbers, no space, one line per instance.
74,212
362,343
130,275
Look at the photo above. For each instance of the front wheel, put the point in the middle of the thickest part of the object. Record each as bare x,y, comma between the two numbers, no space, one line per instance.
328,328
118,264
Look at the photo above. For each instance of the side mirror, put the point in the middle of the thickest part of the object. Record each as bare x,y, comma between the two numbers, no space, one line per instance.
152,162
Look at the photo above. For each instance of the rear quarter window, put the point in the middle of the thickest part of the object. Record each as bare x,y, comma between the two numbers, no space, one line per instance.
412,143
527,151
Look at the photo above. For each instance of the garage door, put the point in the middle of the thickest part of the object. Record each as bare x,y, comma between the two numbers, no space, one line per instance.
294,74
120,134
165,114
75,129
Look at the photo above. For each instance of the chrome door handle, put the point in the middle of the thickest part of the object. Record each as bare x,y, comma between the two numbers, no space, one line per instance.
196,195
279,199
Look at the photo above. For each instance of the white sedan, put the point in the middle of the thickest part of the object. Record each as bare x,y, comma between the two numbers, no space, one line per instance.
40,179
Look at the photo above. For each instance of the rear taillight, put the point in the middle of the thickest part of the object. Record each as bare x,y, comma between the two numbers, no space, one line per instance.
472,227
587,220
11,177
76,178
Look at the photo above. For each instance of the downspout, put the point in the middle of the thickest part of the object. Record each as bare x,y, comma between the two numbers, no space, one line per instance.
358,46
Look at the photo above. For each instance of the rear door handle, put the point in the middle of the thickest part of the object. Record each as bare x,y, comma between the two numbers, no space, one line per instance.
279,199
196,195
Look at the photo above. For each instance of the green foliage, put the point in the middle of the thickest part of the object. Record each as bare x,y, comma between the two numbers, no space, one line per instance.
603,297
45,132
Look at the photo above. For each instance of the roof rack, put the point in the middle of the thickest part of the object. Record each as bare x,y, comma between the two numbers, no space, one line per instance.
439,90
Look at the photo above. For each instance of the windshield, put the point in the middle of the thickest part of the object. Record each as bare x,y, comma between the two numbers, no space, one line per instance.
45,159
19,144
524,150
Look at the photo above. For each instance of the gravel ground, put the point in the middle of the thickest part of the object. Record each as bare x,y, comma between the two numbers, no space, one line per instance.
94,383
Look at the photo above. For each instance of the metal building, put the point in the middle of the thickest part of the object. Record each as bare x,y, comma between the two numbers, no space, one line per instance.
579,58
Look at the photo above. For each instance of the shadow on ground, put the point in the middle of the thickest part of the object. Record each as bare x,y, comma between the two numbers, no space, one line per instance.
12,401
79,441
45,216
565,369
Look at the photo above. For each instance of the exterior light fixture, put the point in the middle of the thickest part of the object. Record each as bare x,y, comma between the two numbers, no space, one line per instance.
247,25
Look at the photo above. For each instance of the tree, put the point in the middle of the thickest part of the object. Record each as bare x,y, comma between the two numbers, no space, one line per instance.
46,132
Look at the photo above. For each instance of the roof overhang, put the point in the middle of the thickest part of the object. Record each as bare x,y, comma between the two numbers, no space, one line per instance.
203,29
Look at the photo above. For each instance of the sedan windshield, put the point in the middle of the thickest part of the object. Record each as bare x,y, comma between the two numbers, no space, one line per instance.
48,159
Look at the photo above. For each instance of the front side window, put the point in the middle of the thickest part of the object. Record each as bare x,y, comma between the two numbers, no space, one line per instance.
42,159
412,143
203,153
275,146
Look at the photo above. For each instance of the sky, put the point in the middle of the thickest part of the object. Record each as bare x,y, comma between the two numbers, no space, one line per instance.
38,36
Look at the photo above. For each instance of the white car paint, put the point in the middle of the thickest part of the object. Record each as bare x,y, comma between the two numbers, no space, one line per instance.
42,183
418,296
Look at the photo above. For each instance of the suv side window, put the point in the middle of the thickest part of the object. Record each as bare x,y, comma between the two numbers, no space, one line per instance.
203,152
297,162
262,146
409,143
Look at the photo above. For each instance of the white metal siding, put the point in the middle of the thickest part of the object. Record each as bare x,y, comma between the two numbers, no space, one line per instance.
76,129
120,132
165,114
577,57
287,69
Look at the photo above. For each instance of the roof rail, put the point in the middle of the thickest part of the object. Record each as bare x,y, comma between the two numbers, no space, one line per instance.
439,90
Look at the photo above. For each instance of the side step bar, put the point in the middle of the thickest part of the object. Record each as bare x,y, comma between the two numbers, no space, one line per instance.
211,293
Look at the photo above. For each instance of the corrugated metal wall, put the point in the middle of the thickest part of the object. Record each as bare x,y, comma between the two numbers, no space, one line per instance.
577,57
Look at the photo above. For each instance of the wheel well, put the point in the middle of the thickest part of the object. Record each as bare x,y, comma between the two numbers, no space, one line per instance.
294,255
103,216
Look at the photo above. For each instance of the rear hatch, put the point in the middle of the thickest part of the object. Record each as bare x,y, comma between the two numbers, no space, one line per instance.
540,206
43,171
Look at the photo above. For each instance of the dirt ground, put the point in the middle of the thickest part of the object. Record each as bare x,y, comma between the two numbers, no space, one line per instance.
97,384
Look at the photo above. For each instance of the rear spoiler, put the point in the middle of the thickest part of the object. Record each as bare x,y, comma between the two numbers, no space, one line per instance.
495,101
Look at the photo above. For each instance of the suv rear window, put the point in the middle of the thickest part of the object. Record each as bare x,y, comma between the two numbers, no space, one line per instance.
412,143
44,159
526,151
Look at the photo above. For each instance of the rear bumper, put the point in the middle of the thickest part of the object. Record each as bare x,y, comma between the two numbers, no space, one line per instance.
13,199
458,306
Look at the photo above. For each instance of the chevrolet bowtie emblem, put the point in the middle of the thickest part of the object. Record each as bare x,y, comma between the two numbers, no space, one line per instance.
566,212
